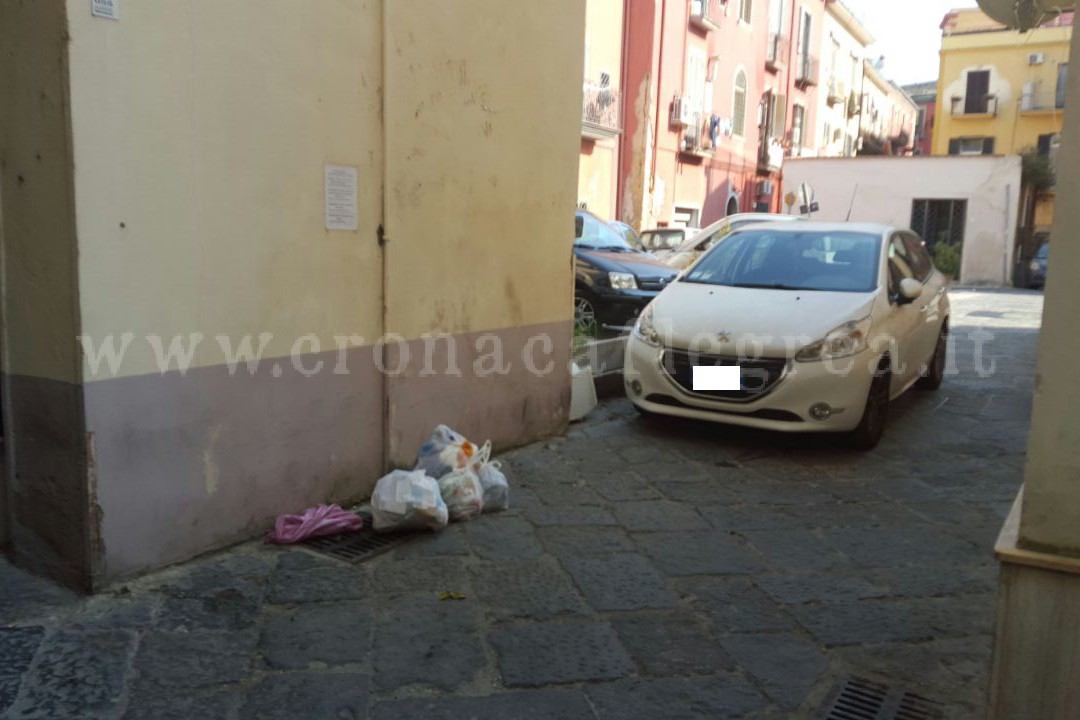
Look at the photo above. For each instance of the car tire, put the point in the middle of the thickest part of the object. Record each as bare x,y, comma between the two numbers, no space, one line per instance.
875,415
935,369
585,314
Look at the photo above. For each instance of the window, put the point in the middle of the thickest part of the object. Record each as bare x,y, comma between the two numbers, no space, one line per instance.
695,80
1062,81
971,146
776,17
738,110
978,92
849,146
746,10
827,136
920,260
920,124
798,117
939,221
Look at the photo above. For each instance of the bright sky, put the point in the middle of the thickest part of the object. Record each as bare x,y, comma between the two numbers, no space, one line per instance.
908,34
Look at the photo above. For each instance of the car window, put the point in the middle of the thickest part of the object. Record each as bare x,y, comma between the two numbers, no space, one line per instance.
661,240
1043,253
598,235
722,232
900,264
921,264
840,261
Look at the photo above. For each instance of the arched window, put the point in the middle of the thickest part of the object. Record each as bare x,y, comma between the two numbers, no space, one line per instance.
738,110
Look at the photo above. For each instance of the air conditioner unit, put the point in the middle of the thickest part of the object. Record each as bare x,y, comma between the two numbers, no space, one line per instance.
1036,58
765,188
679,107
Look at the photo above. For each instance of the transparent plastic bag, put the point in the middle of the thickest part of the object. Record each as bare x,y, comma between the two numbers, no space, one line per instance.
496,488
446,451
408,500
462,493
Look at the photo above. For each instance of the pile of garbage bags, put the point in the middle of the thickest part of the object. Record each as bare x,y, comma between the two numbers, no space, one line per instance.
453,480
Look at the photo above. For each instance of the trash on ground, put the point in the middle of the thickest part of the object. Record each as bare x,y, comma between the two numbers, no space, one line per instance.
463,494
451,595
496,488
314,522
446,451
408,500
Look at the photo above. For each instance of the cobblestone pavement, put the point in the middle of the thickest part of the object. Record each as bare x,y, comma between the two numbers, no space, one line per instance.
648,570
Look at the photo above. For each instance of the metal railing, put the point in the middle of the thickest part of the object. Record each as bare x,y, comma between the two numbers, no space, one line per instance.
837,92
985,105
601,111
776,51
806,70
696,139
1042,102
705,14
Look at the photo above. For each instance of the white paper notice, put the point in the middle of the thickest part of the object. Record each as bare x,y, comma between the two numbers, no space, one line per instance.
105,9
341,189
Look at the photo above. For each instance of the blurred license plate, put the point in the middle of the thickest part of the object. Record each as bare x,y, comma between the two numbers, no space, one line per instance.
717,378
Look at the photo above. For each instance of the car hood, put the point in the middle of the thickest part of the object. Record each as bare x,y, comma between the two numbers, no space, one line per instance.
681,259
639,264
774,323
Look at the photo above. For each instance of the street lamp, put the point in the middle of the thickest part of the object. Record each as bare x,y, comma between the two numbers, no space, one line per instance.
1024,14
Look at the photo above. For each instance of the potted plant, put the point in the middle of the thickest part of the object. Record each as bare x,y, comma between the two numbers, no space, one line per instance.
947,258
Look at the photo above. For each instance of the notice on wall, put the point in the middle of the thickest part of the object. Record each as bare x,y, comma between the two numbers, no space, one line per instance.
341,197
105,9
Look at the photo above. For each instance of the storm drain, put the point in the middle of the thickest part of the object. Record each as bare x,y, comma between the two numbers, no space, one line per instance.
860,699
358,546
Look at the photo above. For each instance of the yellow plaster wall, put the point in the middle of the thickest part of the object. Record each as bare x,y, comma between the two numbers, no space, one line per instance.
201,131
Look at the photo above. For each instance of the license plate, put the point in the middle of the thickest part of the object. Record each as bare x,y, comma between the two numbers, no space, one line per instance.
717,378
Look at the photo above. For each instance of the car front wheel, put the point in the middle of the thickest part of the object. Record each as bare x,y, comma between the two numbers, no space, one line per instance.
872,425
935,371
585,315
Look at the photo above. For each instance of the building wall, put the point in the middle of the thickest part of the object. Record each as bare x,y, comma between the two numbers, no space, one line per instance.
183,148
882,190
837,129
807,96
599,158
888,114
924,140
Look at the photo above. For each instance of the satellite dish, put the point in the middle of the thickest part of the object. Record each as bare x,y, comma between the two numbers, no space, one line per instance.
1023,14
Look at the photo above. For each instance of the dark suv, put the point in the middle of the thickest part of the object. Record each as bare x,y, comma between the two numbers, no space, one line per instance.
614,281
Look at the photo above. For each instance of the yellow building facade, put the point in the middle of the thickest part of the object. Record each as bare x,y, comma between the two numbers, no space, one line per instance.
1002,92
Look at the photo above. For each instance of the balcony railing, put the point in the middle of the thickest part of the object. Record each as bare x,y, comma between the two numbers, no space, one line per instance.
601,112
770,154
1042,102
986,105
696,137
837,92
705,14
776,52
806,71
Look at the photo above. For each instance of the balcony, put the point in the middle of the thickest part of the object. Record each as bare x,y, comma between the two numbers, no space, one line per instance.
770,154
837,93
776,52
985,106
601,112
1039,103
705,14
696,139
806,72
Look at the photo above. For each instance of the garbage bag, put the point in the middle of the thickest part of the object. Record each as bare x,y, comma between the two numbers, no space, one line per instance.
496,488
408,500
446,451
462,493
318,521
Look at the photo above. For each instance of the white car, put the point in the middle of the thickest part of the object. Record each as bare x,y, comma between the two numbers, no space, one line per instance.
691,249
826,323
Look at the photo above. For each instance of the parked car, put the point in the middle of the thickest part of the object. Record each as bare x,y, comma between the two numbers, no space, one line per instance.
692,248
664,240
1037,267
614,281
826,322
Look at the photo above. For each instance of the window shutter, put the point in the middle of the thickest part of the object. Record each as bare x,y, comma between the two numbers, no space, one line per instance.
1044,145
988,146
954,146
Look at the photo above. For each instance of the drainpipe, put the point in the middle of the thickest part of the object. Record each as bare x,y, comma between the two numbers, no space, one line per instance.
659,100
624,73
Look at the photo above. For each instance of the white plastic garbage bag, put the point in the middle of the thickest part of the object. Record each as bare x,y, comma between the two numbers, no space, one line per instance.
462,493
408,500
446,451
496,488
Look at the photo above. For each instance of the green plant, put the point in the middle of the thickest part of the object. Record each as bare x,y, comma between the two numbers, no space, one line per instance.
947,258
1037,171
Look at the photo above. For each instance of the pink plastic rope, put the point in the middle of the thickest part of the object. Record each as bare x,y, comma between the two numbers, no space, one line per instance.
314,522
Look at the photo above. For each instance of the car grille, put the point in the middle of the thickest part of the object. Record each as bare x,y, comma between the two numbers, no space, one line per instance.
759,376
653,283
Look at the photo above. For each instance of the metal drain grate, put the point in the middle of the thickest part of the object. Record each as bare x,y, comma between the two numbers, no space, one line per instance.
860,699
358,546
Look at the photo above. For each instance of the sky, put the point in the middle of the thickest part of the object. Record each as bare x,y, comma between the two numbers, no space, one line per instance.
908,34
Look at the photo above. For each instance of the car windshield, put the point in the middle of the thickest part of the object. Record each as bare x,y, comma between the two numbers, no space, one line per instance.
598,235
1044,252
824,260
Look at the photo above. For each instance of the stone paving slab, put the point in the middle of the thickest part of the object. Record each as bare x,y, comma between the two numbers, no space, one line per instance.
645,570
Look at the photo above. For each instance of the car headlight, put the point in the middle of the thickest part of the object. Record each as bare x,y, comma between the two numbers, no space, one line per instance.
848,339
645,328
1035,266
622,281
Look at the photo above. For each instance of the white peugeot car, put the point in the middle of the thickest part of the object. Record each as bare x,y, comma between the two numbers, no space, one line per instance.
692,248
799,327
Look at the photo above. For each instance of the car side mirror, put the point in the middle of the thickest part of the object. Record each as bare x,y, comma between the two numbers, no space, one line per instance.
910,290
579,227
